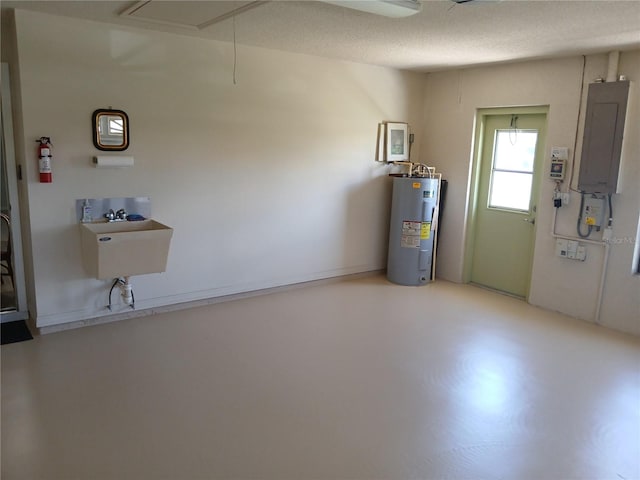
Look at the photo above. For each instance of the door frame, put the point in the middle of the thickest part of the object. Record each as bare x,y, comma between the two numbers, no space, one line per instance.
474,180
19,283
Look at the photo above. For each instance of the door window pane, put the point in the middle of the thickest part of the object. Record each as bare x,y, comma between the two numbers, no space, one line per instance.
512,172
515,150
511,190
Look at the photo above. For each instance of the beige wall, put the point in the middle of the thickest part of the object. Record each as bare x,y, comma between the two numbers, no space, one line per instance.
267,182
451,101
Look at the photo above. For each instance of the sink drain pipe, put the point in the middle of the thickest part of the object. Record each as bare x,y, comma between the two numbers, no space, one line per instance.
126,291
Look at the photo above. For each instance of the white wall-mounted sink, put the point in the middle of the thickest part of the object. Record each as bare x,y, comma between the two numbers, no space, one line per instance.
121,249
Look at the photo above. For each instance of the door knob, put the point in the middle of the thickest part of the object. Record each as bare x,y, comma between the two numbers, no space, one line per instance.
532,221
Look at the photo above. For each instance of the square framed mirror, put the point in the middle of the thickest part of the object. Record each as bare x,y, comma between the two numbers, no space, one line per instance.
110,130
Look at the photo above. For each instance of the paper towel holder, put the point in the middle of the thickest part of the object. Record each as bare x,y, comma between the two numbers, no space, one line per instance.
112,161
110,130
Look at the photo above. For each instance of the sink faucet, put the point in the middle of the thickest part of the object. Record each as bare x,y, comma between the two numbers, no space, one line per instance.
119,216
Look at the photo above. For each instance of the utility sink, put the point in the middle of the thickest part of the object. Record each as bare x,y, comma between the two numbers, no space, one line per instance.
122,249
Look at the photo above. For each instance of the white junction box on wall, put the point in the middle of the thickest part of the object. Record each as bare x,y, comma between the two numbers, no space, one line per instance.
559,157
570,249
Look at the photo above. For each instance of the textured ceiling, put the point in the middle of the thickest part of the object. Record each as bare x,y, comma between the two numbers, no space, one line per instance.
443,35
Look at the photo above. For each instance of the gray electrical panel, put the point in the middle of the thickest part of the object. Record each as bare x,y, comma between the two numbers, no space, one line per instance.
602,141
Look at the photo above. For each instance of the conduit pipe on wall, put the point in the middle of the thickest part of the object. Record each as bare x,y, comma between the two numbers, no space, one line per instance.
605,261
612,68
603,276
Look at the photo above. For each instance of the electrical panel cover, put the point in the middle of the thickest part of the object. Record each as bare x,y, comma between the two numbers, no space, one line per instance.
603,133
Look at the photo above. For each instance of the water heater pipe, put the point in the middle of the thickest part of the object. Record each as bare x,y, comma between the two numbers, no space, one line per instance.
418,169
612,69
435,223
408,164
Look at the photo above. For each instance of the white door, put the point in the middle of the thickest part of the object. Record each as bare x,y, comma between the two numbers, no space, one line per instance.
14,300
511,155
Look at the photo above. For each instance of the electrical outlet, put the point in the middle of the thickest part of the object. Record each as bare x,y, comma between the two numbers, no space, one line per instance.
561,247
571,249
560,199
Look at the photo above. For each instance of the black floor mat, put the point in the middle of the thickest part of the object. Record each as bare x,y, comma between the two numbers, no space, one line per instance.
12,332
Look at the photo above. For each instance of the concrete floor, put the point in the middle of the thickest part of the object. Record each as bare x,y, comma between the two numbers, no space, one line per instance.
358,379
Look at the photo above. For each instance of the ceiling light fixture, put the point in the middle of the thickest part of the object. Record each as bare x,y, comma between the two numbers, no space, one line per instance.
386,8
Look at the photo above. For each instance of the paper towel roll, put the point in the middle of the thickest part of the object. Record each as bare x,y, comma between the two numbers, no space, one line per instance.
108,161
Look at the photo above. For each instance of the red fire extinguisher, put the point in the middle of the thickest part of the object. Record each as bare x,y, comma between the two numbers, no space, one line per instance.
44,159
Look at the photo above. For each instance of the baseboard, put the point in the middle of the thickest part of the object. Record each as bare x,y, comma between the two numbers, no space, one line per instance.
182,305
495,290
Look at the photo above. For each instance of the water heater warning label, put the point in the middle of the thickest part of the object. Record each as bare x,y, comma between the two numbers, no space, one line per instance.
425,231
410,234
